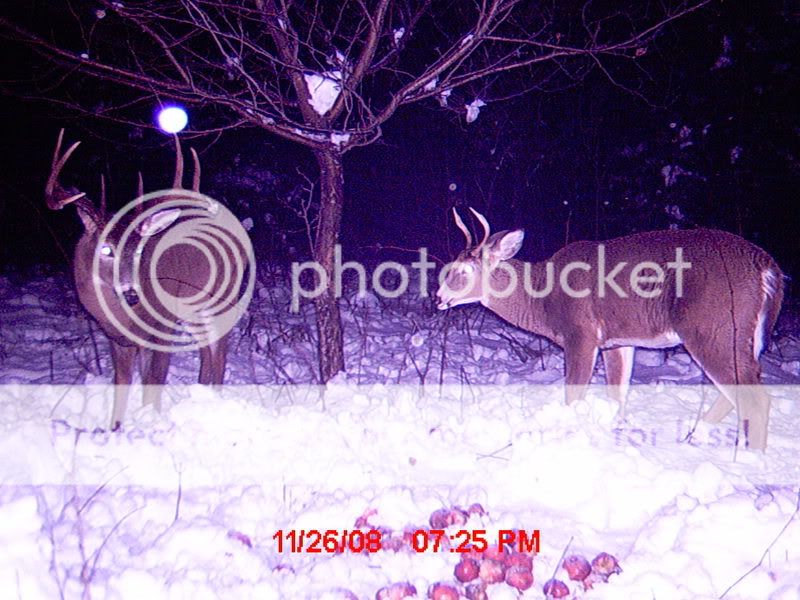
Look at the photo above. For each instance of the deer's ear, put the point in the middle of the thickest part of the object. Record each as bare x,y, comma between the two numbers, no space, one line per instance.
505,244
158,221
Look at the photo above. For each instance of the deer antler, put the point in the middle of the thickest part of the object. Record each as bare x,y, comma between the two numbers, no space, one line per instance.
484,222
56,195
196,175
103,206
177,182
462,227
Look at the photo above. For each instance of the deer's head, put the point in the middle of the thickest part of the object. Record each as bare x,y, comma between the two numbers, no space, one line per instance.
117,248
469,275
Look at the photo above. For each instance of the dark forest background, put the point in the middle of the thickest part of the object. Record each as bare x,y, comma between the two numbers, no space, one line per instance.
713,140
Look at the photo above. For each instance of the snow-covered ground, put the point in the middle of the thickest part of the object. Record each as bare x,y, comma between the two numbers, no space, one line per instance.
191,503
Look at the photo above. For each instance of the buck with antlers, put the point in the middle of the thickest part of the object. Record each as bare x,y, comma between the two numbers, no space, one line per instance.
712,291
125,281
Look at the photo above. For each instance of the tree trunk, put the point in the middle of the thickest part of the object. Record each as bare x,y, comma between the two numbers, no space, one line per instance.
329,324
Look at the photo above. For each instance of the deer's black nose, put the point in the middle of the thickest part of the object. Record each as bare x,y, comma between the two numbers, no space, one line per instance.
131,297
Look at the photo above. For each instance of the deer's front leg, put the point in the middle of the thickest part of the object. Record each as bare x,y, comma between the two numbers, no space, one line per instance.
212,362
123,358
580,354
619,368
154,374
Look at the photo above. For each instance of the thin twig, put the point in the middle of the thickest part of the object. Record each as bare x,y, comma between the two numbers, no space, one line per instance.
764,555
561,560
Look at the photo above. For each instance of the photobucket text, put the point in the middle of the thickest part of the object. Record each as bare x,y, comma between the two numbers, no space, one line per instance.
645,279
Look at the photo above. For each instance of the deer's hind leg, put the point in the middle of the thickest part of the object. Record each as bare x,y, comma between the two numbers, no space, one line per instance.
726,354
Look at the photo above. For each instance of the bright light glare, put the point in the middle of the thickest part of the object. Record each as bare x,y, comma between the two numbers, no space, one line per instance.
172,119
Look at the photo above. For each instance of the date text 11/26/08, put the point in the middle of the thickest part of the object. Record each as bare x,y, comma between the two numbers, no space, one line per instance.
464,541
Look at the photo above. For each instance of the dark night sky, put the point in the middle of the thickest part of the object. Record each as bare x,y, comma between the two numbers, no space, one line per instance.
594,147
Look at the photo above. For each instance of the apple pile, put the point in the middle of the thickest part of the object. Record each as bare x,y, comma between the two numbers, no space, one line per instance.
476,571
581,570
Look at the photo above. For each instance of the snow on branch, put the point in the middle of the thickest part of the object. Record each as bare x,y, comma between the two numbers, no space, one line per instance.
338,70
323,89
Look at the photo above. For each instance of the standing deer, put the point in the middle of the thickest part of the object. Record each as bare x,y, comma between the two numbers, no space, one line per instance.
181,271
712,291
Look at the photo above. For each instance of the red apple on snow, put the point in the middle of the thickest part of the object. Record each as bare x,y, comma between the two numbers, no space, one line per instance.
496,553
476,509
442,591
467,569
458,516
605,564
520,559
445,517
476,591
577,567
396,591
555,588
439,518
519,578
492,571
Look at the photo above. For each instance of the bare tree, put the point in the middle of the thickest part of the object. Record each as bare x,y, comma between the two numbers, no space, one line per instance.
327,75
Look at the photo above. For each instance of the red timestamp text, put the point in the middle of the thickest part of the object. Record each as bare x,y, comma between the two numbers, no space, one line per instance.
464,541
319,541
476,540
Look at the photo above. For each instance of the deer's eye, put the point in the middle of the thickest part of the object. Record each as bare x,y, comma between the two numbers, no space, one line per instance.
468,268
106,250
